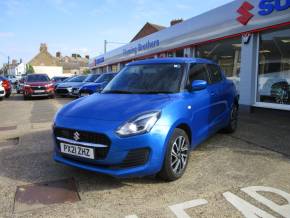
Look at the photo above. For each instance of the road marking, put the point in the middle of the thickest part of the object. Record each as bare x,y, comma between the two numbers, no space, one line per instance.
247,209
283,210
178,209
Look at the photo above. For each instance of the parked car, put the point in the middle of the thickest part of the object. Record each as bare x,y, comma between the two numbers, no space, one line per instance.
38,85
90,78
12,79
65,88
58,79
2,91
147,119
97,86
20,85
7,86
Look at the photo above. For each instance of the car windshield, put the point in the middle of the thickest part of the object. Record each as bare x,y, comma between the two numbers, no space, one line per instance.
58,79
91,78
147,78
77,79
37,78
105,78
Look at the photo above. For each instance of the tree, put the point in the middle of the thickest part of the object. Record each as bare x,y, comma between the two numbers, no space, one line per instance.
29,69
86,71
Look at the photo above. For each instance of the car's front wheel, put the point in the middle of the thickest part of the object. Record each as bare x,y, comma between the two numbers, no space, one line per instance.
176,157
233,124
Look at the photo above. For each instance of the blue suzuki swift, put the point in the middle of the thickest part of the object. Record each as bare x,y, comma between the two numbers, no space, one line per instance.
147,119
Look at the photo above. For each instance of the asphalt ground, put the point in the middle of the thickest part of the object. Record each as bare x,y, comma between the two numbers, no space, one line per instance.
33,185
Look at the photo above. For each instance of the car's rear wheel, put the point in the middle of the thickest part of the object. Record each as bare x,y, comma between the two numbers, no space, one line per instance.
233,124
176,157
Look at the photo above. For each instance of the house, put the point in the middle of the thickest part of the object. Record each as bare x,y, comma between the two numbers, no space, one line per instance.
73,65
146,30
44,62
57,65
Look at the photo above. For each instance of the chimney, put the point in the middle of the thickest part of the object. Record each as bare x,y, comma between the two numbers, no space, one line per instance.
87,56
176,21
58,54
43,47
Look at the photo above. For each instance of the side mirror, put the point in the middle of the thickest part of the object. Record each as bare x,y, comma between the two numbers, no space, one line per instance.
197,85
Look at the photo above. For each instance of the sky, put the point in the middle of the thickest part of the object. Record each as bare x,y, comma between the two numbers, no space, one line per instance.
81,26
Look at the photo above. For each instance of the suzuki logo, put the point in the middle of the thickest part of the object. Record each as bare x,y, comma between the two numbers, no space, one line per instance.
245,13
76,136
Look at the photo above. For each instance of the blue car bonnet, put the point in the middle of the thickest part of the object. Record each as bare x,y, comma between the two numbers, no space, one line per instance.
114,107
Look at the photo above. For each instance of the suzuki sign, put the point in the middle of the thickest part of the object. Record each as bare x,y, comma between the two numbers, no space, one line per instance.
266,7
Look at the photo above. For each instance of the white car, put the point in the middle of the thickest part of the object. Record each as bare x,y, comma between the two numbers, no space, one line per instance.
2,91
12,79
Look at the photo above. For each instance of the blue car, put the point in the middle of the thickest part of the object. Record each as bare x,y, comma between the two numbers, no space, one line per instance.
97,86
147,119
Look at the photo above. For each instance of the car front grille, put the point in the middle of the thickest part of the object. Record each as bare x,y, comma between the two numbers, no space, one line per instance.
89,137
37,87
61,91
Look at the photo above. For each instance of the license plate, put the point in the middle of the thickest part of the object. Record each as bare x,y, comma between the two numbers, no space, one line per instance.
39,91
76,91
78,151
85,94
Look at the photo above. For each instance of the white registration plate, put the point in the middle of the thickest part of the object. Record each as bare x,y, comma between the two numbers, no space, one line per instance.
39,91
78,151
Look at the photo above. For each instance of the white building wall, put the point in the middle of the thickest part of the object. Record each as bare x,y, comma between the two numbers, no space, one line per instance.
20,69
51,71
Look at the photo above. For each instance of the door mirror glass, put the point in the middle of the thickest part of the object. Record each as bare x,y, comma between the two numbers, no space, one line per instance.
198,85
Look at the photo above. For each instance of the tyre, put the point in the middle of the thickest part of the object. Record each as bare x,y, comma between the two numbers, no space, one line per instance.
7,95
1,98
25,97
233,124
176,157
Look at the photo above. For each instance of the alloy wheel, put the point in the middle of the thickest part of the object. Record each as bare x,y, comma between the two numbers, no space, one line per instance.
179,155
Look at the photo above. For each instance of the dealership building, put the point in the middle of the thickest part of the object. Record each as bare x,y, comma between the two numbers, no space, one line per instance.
250,40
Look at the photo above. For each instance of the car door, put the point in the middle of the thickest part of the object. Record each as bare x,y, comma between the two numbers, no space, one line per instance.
216,90
201,104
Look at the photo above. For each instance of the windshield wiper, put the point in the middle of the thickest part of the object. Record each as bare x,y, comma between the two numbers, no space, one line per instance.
117,92
155,92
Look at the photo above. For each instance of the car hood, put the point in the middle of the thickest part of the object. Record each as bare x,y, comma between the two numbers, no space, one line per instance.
114,107
92,85
70,84
37,83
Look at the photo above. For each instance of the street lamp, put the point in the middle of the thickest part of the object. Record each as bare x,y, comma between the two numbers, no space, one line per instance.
106,43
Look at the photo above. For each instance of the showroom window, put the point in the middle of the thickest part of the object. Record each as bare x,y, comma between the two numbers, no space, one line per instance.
274,67
227,53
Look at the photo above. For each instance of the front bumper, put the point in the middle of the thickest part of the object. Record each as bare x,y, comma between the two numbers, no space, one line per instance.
134,156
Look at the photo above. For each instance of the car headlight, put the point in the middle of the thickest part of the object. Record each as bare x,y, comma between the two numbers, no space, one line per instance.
139,125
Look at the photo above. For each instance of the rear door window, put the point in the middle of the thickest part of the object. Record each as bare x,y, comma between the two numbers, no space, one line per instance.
214,73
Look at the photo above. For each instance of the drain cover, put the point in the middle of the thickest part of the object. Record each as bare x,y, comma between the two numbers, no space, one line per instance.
6,128
30,197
